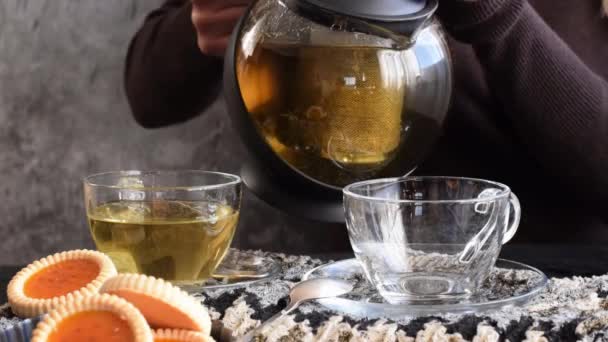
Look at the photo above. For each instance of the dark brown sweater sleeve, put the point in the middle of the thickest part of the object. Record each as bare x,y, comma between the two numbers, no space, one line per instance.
167,79
555,103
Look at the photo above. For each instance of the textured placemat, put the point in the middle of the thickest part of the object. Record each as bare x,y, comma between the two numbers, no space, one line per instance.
568,309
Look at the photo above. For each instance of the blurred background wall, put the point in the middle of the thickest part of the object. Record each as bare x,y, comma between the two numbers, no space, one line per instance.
63,115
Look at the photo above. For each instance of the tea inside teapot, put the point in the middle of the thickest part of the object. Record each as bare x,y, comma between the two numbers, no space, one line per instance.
334,113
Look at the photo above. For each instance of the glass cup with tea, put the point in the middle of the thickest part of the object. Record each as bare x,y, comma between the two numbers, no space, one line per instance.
176,225
429,239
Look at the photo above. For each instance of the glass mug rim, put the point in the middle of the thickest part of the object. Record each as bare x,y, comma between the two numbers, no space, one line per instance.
348,190
230,180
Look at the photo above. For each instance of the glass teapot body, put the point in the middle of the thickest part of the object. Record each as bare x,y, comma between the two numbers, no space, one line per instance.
325,102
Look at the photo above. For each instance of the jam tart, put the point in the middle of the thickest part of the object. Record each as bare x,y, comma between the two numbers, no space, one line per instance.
58,279
164,305
97,318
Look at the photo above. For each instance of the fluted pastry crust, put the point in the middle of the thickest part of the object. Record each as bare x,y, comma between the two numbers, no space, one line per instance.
23,305
163,304
96,303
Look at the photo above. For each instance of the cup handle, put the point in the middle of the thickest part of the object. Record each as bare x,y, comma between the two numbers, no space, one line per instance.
473,247
514,203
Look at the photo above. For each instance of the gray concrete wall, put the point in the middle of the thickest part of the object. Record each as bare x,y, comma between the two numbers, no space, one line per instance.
63,115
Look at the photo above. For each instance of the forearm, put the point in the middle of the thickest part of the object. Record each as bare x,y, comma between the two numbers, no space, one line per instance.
555,103
167,79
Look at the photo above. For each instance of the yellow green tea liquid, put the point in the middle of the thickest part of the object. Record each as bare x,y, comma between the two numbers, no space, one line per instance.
175,240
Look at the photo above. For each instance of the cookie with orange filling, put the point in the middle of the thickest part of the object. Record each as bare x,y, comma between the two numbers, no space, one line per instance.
169,335
97,318
58,279
163,305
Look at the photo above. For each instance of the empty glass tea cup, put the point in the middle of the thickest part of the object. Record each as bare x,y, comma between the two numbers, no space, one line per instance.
429,239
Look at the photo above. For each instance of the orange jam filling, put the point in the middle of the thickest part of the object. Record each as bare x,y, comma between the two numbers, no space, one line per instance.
157,313
92,326
61,278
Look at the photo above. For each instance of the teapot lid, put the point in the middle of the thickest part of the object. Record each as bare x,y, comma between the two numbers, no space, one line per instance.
394,19
374,10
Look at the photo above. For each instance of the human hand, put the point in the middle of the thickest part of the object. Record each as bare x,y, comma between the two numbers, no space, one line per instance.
214,21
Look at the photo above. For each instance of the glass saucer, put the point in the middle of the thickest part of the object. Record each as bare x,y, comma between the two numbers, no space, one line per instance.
510,283
239,268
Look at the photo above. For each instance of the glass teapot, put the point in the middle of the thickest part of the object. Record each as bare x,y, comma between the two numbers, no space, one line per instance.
325,93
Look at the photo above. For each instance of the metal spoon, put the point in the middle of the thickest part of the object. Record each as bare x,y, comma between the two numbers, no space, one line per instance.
306,291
